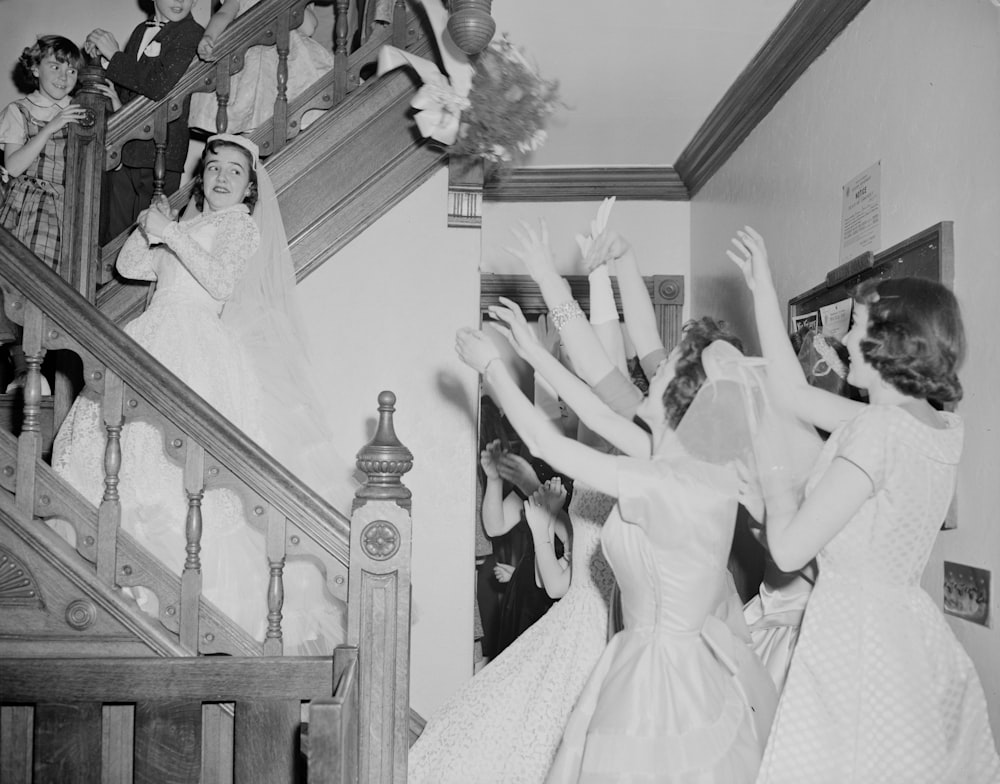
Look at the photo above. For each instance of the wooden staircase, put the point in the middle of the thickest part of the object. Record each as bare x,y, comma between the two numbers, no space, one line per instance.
334,180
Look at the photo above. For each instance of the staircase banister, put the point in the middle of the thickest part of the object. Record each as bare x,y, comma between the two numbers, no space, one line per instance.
172,398
135,119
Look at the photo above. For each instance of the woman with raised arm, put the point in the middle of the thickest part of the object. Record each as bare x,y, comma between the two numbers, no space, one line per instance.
879,688
676,696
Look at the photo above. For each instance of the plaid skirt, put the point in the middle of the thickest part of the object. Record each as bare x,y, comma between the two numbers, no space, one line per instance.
32,212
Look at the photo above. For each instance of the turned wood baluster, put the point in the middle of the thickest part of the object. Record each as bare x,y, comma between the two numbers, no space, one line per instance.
222,87
109,515
275,543
279,128
160,140
191,579
29,443
341,49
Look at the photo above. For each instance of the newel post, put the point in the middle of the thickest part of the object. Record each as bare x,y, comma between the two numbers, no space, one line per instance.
379,601
78,262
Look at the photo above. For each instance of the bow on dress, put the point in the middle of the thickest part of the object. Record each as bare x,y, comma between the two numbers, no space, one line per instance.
442,99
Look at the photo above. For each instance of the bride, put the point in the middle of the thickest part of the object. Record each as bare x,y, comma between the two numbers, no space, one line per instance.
222,319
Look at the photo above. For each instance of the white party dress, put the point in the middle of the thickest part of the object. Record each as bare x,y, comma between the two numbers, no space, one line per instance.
504,725
879,689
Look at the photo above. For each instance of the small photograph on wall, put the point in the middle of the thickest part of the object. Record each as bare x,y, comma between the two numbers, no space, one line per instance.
967,593
806,322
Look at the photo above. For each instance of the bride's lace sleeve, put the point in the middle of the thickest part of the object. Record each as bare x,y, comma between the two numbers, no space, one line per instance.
135,261
233,238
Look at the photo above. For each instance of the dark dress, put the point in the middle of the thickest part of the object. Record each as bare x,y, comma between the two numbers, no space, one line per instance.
524,602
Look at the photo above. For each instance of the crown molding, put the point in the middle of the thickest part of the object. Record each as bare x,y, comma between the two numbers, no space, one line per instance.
588,183
801,37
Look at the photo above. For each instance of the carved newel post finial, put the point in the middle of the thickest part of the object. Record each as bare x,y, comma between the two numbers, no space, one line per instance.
384,460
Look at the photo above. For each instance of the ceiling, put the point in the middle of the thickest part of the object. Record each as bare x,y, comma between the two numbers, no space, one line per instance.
638,78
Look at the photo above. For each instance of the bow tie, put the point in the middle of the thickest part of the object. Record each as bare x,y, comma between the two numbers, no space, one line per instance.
154,23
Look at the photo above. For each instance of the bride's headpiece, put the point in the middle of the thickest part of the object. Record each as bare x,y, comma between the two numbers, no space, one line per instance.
239,141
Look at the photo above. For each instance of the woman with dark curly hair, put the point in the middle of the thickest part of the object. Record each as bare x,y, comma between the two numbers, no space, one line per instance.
677,695
879,688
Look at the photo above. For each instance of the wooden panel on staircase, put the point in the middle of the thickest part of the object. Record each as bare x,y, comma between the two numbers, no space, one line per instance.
67,743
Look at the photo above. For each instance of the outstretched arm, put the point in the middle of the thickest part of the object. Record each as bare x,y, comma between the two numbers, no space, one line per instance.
540,435
789,386
583,349
610,249
541,511
499,515
592,411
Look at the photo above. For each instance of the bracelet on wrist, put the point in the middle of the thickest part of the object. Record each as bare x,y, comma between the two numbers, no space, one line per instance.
565,312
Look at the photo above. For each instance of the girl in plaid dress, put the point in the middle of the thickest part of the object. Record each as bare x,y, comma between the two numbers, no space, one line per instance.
33,133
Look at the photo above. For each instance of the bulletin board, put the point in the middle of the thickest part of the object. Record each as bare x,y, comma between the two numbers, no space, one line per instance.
927,254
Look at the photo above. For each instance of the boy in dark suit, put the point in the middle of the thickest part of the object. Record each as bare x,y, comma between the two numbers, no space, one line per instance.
155,58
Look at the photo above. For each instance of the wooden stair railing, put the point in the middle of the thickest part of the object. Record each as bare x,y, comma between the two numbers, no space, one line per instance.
297,522
220,720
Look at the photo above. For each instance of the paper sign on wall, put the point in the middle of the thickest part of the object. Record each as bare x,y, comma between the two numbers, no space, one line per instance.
836,318
861,216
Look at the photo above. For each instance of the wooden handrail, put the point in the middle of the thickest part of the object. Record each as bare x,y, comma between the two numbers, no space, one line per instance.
112,348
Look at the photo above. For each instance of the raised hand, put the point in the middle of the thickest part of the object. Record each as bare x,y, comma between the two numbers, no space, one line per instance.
206,47
489,459
536,512
752,257
604,249
475,349
597,226
518,471
103,42
515,328
552,494
534,250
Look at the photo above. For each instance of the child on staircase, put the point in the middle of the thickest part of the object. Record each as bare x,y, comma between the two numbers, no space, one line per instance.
33,132
252,90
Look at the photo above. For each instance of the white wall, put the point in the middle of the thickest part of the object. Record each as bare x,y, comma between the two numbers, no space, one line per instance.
383,315
915,84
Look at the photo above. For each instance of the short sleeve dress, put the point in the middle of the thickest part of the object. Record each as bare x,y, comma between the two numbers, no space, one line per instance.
33,208
879,688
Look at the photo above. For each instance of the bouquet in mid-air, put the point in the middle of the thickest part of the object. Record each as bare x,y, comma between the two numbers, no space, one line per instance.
494,105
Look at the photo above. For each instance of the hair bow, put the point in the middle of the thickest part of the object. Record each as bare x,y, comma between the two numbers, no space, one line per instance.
442,99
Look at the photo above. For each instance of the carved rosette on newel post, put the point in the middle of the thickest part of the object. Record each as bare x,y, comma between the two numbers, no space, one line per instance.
379,600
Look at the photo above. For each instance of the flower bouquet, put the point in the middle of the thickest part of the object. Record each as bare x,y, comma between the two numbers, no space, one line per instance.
493,105
509,106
